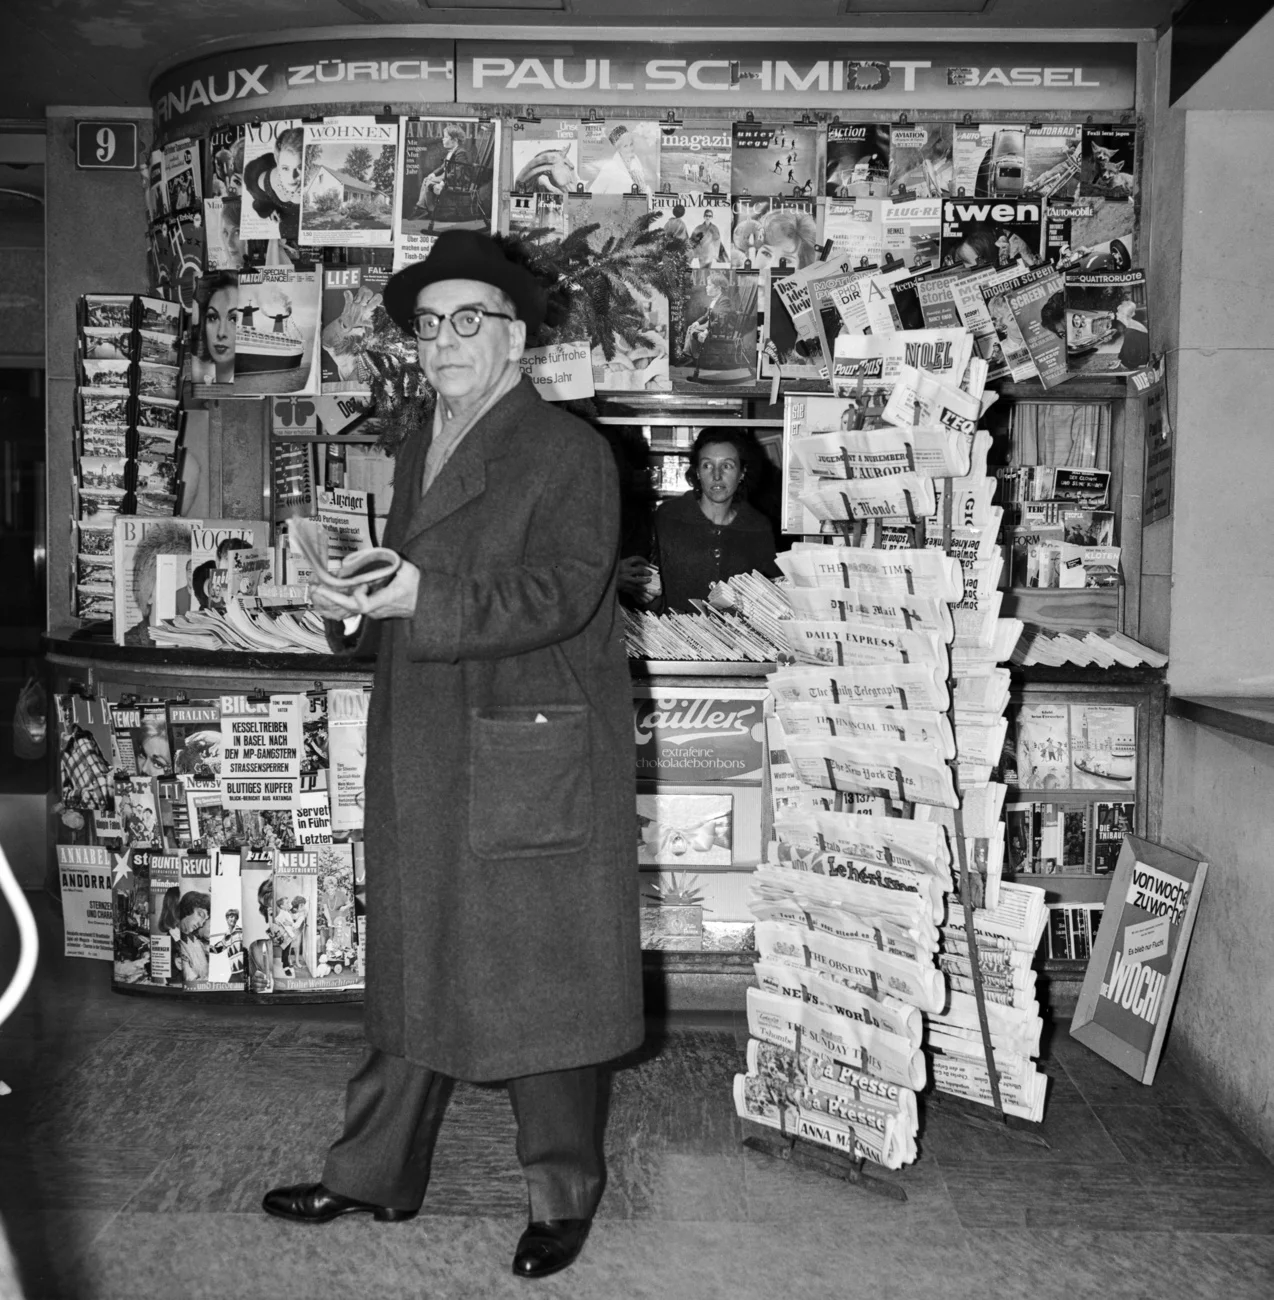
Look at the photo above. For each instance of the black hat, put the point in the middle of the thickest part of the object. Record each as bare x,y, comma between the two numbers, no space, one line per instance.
465,255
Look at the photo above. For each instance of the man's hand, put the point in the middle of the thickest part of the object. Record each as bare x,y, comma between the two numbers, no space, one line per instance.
397,599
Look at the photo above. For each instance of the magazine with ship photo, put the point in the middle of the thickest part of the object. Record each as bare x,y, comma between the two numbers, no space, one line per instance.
446,181
782,159
1106,323
348,182
545,154
695,159
920,160
857,160
1108,163
275,335
1103,746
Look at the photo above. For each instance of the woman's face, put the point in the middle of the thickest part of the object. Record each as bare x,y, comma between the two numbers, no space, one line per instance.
626,147
195,922
967,254
720,471
288,175
779,248
230,240
221,322
155,759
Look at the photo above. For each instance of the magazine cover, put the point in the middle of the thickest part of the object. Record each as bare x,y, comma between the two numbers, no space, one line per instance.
1043,747
1052,158
164,873
225,926
208,549
183,182
857,160
1013,351
223,176
545,156
1090,235
137,545
347,753
257,330
294,918
537,210
273,161
338,946
856,228
223,249
619,157
130,899
911,233
991,233
1103,746
257,919
989,160
921,165
782,349
773,160
717,344
1039,307
1111,822
155,196
84,879
191,938
773,232
1108,162
1106,326
701,221
695,159
348,181
194,735
314,740
352,297
446,181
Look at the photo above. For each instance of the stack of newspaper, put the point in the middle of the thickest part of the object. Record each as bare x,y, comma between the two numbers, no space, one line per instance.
1102,647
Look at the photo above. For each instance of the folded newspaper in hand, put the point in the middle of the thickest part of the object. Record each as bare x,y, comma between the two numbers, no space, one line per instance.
372,567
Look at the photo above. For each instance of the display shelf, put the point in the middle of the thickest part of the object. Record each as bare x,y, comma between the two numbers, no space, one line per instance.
1248,716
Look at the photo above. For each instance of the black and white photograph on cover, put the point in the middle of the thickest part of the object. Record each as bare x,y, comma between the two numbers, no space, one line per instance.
223,174
988,159
695,159
700,221
991,233
294,927
273,159
773,160
716,343
1106,323
1090,234
920,164
1108,162
347,181
545,156
857,160
276,331
782,233
619,157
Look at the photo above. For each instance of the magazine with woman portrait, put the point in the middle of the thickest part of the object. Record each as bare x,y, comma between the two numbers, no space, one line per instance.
257,330
273,156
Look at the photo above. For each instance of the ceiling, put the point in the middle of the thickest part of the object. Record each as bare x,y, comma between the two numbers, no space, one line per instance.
104,52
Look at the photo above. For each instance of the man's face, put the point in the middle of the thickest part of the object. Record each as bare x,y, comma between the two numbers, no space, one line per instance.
467,368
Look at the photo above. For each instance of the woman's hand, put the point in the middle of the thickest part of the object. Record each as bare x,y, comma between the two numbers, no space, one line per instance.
635,576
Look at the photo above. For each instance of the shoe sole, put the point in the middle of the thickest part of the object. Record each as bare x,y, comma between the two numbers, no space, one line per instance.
381,1215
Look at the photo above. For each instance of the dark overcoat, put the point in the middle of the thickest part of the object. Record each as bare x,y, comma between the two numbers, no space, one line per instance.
500,824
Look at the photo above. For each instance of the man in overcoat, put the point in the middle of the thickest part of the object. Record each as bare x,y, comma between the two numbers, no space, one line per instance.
502,905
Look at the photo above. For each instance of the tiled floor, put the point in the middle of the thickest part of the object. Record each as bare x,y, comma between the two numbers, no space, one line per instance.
140,1135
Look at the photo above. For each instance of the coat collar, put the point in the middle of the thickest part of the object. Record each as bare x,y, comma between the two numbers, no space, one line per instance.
464,476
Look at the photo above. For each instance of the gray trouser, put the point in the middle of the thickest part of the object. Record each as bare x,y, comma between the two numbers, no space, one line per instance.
394,1109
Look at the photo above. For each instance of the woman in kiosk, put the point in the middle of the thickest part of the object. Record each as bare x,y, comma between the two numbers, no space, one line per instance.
711,533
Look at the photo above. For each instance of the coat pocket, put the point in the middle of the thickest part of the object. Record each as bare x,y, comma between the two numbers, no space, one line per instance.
530,784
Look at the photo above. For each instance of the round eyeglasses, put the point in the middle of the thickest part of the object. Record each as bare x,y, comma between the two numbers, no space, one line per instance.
466,321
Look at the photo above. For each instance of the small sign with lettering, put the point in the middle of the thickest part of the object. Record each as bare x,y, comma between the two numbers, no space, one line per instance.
106,146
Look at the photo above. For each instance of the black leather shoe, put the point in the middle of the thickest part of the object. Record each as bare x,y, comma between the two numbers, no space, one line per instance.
313,1203
549,1245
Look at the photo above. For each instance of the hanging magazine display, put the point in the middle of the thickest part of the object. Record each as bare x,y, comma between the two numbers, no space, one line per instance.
347,183
857,160
273,157
1108,163
990,233
1089,234
700,221
773,232
920,163
1106,331
774,160
545,156
695,160
619,157
717,340
446,181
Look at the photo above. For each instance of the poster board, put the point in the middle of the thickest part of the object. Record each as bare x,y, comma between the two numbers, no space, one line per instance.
1131,982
